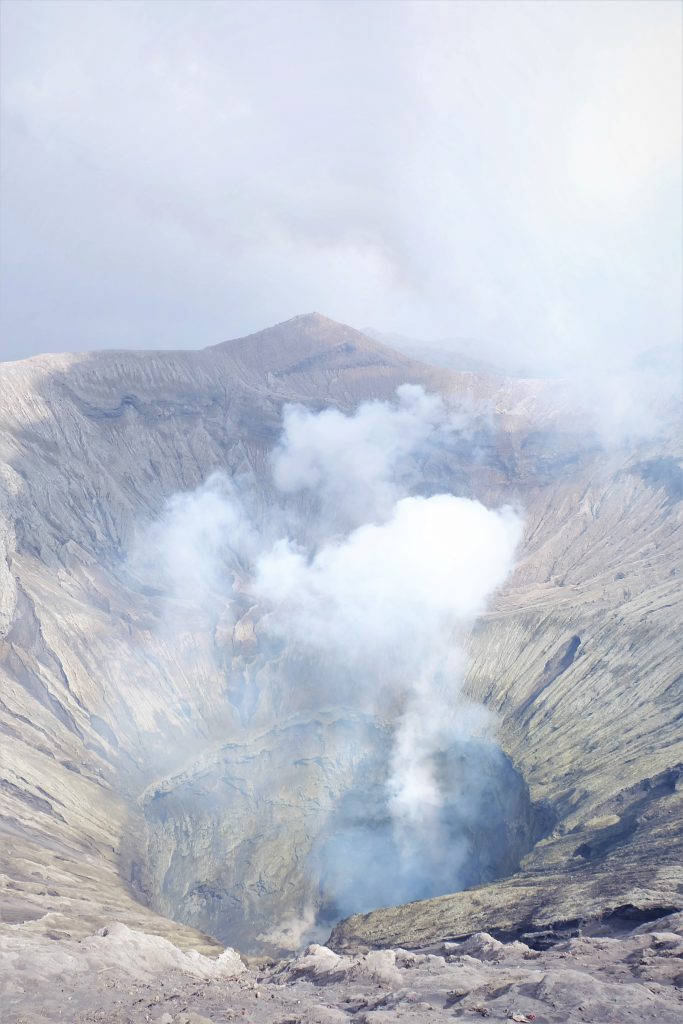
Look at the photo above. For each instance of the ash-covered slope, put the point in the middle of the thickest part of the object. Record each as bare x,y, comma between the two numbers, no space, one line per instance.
106,719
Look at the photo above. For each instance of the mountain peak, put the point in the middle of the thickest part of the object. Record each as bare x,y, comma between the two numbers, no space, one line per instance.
309,342
313,319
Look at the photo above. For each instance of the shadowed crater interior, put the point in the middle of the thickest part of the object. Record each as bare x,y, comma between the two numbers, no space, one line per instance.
268,872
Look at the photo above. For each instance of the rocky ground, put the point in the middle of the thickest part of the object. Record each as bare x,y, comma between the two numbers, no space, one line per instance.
125,977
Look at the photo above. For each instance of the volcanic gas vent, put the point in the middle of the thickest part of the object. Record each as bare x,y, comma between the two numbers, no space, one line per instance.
271,841
359,774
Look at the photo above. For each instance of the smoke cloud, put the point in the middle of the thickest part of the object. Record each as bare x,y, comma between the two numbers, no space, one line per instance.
355,574
188,552
358,466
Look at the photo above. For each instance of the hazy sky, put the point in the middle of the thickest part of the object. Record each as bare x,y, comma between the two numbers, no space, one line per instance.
174,174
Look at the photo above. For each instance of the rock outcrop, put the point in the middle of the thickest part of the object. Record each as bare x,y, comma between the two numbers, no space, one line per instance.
120,976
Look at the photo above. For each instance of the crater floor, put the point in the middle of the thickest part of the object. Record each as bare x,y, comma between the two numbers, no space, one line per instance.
227,854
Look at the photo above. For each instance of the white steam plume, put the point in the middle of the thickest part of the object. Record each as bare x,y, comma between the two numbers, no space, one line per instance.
392,590
203,534
360,465
374,600
382,605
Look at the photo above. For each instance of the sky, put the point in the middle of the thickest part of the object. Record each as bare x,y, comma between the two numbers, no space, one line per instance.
178,173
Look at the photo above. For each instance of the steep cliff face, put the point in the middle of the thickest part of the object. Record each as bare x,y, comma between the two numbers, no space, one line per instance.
147,776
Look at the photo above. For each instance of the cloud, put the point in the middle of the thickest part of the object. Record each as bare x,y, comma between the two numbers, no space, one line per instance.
507,172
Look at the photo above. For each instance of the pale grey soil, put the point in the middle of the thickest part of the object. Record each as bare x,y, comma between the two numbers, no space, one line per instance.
127,977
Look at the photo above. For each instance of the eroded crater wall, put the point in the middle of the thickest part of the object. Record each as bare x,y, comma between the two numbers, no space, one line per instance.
98,707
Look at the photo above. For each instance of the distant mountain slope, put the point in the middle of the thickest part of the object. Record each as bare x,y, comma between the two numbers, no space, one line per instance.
462,354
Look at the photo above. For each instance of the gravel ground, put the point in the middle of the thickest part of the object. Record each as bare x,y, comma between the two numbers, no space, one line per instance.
125,977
